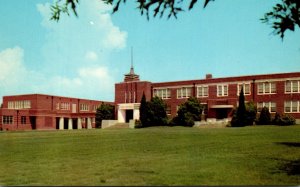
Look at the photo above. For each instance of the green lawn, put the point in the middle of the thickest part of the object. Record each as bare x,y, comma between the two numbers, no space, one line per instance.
260,155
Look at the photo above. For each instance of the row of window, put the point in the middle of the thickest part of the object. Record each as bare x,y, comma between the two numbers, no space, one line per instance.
67,106
130,97
19,104
289,107
222,90
62,106
10,119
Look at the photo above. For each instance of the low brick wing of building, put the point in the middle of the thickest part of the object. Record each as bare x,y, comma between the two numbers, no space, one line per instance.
46,112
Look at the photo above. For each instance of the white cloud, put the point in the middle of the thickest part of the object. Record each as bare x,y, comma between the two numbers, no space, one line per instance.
11,63
15,78
76,54
91,56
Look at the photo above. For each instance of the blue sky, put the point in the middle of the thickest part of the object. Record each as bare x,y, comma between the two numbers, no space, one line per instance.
85,56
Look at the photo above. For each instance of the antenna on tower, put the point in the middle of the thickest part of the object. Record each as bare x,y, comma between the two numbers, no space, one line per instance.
131,57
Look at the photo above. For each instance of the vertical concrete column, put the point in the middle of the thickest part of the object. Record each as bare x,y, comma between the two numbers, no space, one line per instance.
89,123
70,124
121,116
61,123
136,114
79,125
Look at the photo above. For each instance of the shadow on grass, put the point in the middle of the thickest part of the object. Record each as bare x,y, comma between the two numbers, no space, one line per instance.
290,144
292,167
288,166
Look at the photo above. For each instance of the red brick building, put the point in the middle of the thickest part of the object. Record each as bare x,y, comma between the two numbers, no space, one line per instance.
279,92
38,111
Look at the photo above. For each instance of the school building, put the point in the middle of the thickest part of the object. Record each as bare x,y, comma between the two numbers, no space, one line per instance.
45,112
279,92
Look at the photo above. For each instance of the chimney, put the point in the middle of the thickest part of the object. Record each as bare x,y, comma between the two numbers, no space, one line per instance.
208,76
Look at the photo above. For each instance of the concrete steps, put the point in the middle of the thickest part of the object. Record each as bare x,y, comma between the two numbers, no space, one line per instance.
119,126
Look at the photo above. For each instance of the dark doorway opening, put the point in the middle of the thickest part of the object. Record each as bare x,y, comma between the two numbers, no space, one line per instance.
32,120
57,123
66,122
129,115
222,113
74,121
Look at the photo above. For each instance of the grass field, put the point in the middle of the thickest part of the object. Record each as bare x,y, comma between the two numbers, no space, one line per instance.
260,155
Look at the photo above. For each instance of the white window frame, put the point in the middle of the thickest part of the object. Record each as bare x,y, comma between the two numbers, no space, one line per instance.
84,107
268,105
266,88
168,110
7,120
239,87
201,92
163,93
222,91
291,84
184,92
291,105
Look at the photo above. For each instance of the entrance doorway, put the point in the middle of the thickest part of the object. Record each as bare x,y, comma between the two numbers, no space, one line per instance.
32,120
222,113
129,115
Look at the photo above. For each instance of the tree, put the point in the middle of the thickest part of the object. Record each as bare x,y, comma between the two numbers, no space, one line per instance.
153,113
105,111
158,110
239,118
144,111
251,111
284,16
188,112
264,117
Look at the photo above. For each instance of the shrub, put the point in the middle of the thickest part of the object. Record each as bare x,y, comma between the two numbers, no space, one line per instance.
105,111
153,113
188,113
277,119
264,117
287,120
138,124
251,111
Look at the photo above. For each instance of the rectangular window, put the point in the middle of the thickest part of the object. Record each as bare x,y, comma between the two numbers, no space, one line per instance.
259,106
222,90
288,85
19,104
168,110
202,91
292,106
273,87
84,107
57,106
27,104
287,106
10,105
260,88
273,107
246,87
270,105
65,106
7,119
292,86
184,92
23,119
266,88
164,93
